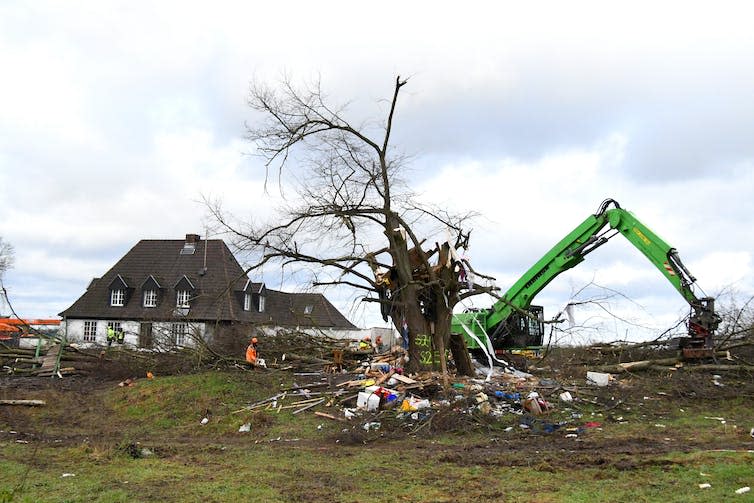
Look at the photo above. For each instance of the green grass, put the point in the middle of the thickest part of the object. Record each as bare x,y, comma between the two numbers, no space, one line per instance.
313,460
295,473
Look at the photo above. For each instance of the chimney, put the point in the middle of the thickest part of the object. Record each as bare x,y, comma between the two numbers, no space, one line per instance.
192,239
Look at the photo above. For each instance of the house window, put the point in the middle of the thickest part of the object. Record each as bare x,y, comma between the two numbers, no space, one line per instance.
90,331
308,309
182,298
247,302
117,297
150,298
261,304
178,333
115,325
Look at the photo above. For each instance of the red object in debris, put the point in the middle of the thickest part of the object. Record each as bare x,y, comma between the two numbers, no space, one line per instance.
593,424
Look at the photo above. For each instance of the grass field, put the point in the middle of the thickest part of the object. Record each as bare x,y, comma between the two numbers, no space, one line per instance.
96,441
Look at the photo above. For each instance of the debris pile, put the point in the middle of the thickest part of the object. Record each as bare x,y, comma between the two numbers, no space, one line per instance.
376,391
31,362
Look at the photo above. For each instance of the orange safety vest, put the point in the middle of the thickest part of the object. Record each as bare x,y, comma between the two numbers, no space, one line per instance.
251,354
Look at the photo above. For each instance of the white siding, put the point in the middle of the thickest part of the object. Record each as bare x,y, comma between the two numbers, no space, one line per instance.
74,331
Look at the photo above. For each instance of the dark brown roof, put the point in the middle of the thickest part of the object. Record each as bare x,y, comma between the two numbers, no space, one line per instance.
219,283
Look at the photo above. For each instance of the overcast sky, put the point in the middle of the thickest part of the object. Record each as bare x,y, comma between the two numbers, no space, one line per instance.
116,118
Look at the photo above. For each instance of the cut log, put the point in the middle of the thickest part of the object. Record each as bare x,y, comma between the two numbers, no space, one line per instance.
29,403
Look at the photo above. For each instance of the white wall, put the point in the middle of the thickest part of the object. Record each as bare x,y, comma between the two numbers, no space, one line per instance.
74,331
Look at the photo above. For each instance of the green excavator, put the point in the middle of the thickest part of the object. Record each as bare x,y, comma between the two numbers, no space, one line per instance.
514,323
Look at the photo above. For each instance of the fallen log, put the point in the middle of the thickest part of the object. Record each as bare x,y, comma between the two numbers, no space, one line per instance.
30,403
660,362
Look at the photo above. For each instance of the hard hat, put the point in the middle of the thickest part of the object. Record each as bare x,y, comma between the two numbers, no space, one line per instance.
253,340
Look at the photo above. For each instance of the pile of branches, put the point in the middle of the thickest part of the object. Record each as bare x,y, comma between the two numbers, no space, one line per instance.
21,361
299,349
116,362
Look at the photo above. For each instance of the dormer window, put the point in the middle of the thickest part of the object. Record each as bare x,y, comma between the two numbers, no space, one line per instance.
184,291
251,297
119,291
150,298
308,309
150,291
182,298
117,298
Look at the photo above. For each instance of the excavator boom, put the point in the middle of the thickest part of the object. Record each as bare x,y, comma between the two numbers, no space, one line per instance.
512,321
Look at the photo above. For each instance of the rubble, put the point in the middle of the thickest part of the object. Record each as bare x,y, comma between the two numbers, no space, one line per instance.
375,395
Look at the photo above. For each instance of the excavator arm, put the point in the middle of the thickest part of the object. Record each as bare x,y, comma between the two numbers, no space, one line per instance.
511,311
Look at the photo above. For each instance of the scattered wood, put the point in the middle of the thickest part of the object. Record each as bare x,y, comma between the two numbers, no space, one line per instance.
307,407
383,378
404,379
23,361
329,416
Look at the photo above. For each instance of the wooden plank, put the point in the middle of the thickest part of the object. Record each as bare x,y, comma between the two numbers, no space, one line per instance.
328,416
302,409
384,377
404,379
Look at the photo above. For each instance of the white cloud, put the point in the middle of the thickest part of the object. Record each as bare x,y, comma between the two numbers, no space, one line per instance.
118,118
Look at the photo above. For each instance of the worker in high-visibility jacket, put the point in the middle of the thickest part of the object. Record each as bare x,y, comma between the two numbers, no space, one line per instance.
251,351
110,335
365,343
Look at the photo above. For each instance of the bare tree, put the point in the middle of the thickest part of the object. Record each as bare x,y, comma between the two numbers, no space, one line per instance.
356,222
6,256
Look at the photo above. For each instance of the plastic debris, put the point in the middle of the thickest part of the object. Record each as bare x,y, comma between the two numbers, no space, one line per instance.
597,378
535,404
244,428
566,396
68,475
705,486
204,420
412,403
743,490
374,425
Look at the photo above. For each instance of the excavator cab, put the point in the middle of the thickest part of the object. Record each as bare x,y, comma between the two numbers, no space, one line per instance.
521,330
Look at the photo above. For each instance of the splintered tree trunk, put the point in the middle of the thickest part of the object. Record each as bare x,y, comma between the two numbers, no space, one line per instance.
452,346
460,352
419,342
431,344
